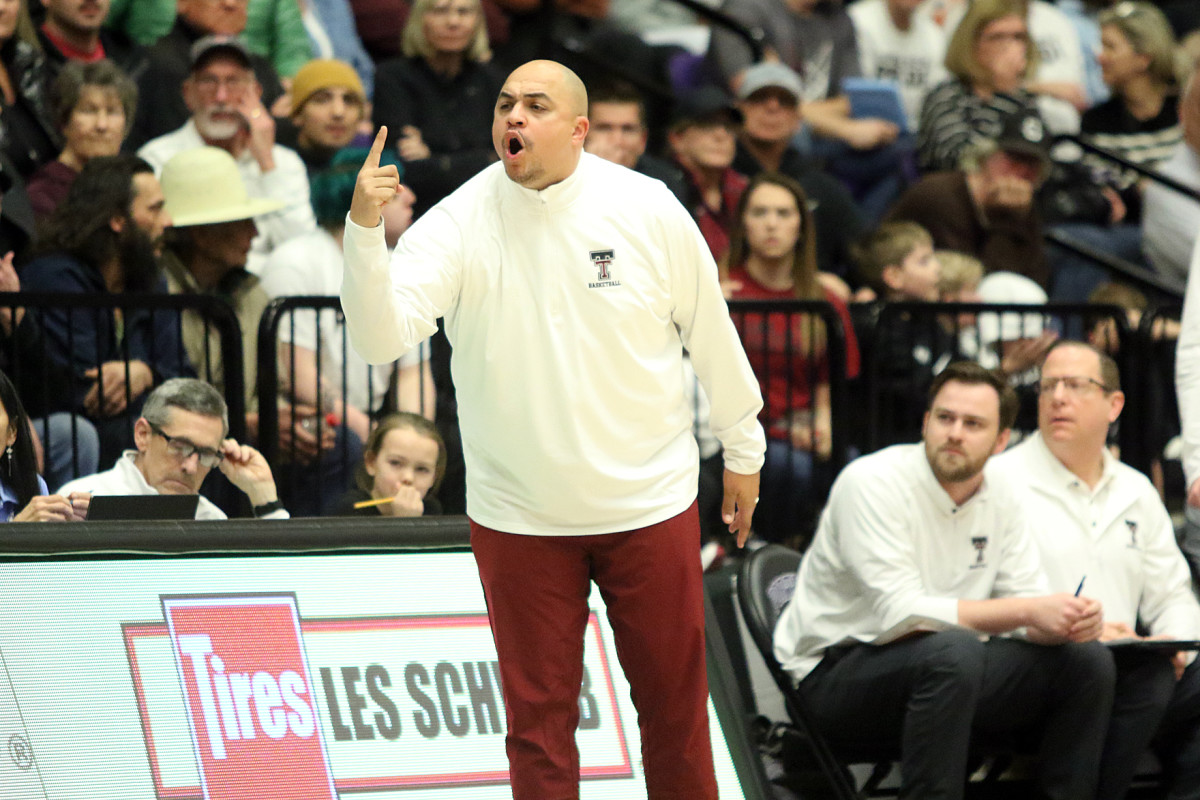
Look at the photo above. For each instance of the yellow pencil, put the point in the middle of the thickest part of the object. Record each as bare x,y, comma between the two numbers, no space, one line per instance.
371,503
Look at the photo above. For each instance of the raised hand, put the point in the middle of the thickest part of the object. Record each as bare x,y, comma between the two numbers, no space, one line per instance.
375,187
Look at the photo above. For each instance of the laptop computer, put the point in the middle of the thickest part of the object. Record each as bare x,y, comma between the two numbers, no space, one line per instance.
143,506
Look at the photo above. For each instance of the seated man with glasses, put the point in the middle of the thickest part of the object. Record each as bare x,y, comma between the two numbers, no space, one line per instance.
1103,531
180,437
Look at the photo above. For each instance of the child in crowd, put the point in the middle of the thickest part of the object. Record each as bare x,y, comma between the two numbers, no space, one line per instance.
958,281
898,262
908,346
403,463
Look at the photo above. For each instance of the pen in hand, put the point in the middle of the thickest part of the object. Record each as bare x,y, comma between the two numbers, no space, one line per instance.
1079,588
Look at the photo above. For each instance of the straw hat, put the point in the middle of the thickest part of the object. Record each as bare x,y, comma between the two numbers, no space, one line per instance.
203,187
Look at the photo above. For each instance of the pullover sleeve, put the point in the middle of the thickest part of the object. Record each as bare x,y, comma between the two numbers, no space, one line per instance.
712,341
392,307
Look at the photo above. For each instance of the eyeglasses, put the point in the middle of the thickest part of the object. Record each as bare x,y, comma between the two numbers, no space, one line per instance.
182,449
210,83
1074,385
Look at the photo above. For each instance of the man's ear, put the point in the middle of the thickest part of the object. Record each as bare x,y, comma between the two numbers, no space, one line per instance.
582,124
142,434
1002,441
1116,402
189,94
117,224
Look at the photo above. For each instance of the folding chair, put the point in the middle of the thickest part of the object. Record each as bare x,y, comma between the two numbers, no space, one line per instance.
765,584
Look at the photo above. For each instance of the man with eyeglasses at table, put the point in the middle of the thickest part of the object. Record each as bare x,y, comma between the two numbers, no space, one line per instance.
180,437
1101,528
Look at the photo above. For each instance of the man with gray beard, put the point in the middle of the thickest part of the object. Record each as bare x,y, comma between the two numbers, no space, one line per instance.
225,100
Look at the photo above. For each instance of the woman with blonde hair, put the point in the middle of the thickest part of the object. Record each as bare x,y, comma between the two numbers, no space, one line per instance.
1141,66
990,58
436,99
772,256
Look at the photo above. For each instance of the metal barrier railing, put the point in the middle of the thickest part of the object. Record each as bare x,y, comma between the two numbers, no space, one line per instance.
798,350
321,385
1134,273
912,342
60,336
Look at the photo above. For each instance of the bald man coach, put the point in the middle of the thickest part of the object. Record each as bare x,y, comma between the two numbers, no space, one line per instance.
570,287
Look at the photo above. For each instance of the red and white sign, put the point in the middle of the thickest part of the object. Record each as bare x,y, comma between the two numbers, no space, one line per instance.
402,701
249,695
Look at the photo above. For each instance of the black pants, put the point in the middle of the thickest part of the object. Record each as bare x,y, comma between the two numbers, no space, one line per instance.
1151,707
928,695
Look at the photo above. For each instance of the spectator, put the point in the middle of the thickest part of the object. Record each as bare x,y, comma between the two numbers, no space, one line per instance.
986,209
958,281
921,530
312,265
898,262
404,459
206,254
170,61
104,239
23,494
227,112
1059,79
179,437
772,256
898,45
152,21
1011,341
703,139
328,103
27,135
1140,121
908,349
94,104
618,134
436,100
1170,220
816,39
1100,204
73,31
769,99
1102,517
275,29
331,31
1083,15
989,58
69,444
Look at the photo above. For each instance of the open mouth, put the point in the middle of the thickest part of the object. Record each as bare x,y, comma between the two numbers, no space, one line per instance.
512,143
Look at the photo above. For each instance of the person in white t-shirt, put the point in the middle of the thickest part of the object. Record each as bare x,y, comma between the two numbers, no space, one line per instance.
570,287
918,530
896,44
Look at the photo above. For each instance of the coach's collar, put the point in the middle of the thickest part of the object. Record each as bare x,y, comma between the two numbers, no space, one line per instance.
557,195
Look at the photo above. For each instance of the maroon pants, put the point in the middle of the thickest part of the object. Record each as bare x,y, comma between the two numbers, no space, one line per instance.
537,589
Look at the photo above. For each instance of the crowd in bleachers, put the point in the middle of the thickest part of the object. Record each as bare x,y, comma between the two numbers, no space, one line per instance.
844,155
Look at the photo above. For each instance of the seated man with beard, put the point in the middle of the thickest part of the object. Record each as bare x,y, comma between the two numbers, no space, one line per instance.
104,239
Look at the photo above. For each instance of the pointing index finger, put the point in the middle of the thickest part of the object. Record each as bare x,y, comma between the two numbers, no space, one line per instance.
376,148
